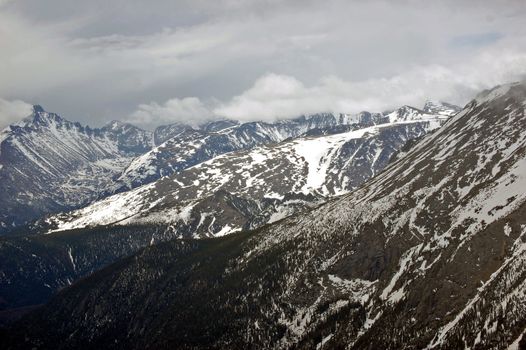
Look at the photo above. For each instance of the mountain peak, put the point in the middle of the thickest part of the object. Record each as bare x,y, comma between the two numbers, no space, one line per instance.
38,109
40,117
114,122
441,108
218,125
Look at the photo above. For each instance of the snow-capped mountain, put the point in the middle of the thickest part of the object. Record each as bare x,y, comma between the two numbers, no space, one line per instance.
247,189
239,190
187,147
429,254
48,164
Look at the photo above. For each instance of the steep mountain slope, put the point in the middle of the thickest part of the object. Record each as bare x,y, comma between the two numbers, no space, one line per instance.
48,164
34,267
428,254
244,190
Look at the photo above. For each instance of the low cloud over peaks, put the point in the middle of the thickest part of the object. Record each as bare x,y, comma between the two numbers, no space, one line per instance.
189,110
279,96
13,111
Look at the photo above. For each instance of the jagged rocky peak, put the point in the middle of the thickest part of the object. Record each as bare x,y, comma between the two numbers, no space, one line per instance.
406,113
324,120
117,125
321,117
329,120
38,109
164,133
368,117
63,164
40,117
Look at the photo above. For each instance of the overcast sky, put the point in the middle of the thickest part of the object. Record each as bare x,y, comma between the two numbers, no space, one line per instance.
160,61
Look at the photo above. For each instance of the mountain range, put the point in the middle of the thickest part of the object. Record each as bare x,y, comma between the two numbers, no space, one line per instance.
430,253
50,165
396,230
247,189
224,177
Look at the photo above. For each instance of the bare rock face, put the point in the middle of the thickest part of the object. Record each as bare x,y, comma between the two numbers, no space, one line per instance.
430,253
48,164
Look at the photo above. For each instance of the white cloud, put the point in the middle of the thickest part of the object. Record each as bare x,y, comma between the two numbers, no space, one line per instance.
189,110
98,60
12,111
280,96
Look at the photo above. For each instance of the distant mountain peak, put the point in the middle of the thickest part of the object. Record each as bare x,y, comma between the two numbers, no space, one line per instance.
441,107
38,109
52,151
411,108
40,117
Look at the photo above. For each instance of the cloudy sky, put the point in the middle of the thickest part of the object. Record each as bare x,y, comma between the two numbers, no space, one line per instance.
160,61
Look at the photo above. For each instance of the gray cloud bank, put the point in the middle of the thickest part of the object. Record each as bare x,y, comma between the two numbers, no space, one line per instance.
158,62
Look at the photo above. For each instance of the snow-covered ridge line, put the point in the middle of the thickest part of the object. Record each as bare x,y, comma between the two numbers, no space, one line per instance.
183,147
49,164
319,166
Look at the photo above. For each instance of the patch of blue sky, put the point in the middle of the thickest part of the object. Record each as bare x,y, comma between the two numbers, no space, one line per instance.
475,40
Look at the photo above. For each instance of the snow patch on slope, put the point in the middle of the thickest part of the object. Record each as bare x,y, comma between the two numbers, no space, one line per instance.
318,152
